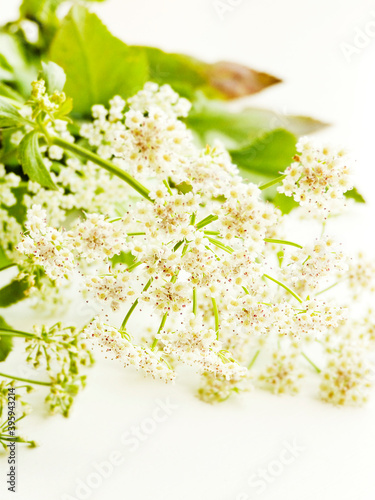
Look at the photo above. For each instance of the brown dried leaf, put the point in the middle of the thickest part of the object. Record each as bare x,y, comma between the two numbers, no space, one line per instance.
235,80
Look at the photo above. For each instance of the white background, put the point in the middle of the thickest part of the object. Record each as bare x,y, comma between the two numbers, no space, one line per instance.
202,452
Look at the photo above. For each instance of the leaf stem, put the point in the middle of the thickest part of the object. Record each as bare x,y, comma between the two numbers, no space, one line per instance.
329,287
15,333
207,220
20,379
216,314
166,184
194,301
106,164
162,324
318,370
295,295
254,358
134,305
220,245
272,183
282,242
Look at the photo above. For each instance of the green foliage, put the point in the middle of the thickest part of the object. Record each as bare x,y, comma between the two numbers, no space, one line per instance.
267,155
212,119
123,258
17,64
9,116
353,194
187,75
14,292
6,343
97,64
102,65
53,76
285,203
8,93
32,161
4,261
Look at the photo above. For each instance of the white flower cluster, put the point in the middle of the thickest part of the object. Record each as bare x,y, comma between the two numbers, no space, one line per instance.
121,348
203,256
318,178
201,349
283,375
347,378
308,267
46,245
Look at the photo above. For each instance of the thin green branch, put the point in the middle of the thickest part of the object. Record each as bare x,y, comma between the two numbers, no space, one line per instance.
272,183
330,287
216,315
254,358
282,242
207,220
166,184
295,295
16,333
134,305
195,301
316,368
20,379
220,245
106,164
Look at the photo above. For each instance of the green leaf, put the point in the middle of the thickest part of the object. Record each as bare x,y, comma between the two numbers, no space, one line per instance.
14,292
32,161
4,261
42,11
9,116
123,258
267,155
97,64
355,195
53,76
212,119
6,342
9,93
285,203
187,75
20,66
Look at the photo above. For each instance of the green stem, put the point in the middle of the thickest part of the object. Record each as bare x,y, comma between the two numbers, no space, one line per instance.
162,324
177,245
106,164
194,301
318,370
272,183
216,314
282,242
20,379
329,287
207,220
134,305
253,359
133,266
220,245
168,187
296,296
15,439
15,333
